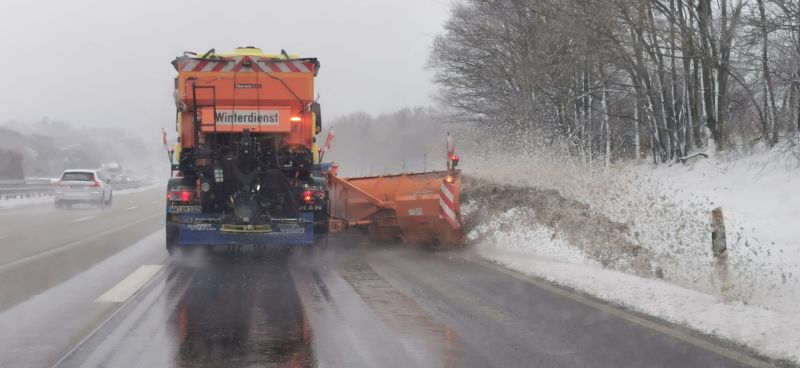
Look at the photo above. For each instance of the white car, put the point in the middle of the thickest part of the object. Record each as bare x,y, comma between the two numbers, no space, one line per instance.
83,186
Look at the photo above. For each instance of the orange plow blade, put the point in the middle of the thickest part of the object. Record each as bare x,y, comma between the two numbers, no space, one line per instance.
413,208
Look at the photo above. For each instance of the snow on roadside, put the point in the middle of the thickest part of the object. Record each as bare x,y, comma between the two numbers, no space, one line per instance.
542,252
762,208
769,332
20,202
663,213
549,244
31,201
666,212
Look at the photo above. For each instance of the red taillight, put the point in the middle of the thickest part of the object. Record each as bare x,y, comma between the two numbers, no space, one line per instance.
60,183
311,196
95,184
454,159
179,196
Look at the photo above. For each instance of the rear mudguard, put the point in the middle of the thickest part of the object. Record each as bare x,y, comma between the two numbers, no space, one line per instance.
206,229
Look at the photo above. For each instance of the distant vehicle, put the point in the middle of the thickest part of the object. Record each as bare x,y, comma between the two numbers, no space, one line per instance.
113,167
83,186
112,170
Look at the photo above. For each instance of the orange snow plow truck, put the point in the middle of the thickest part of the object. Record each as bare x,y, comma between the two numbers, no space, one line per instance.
246,169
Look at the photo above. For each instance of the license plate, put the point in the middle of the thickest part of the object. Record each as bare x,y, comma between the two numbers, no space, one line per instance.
237,228
185,209
291,228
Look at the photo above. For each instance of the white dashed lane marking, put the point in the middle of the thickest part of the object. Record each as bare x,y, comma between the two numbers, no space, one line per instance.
131,208
129,285
79,219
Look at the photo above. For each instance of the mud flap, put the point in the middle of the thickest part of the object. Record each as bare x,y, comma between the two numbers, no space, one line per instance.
209,229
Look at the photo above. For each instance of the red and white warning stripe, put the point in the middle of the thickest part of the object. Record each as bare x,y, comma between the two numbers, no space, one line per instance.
245,63
448,206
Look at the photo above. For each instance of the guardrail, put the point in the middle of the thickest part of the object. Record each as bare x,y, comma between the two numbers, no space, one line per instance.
17,189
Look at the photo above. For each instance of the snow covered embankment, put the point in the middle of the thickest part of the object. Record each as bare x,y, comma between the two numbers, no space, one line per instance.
644,243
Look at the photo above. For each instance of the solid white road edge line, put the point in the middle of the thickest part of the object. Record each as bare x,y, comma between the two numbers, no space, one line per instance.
79,219
620,312
129,285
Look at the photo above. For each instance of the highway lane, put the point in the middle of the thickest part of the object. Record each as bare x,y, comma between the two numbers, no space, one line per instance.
32,229
42,246
351,305
107,295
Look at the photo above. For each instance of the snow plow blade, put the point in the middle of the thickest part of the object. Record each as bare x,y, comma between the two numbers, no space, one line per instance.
417,208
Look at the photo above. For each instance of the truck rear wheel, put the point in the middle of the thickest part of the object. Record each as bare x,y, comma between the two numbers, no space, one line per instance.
172,237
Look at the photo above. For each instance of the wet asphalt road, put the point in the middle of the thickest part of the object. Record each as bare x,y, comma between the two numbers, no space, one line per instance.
347,304
41,246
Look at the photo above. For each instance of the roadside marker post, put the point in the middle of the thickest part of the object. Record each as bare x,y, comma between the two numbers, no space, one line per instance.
719,247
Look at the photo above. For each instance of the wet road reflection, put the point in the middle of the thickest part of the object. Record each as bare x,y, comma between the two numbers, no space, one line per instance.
362,307
208,310
241,311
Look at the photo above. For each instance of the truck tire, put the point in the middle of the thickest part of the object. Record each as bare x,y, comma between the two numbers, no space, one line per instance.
321,241
172,237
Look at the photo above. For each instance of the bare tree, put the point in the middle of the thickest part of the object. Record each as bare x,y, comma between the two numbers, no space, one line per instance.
611,79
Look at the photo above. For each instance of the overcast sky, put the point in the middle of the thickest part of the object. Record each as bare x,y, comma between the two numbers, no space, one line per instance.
105,62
